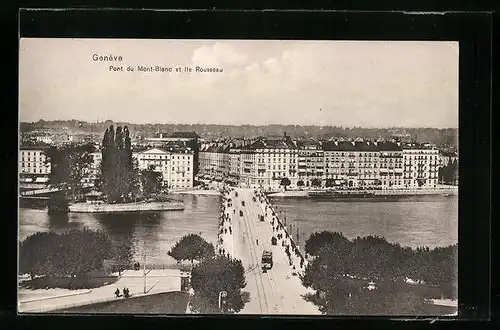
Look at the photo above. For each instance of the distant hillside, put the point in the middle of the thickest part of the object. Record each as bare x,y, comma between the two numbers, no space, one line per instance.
441,137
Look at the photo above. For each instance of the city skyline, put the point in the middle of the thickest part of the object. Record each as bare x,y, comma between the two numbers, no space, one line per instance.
375,84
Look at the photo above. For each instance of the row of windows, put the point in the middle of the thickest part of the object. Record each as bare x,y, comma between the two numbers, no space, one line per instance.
34,153
35,170
35,165
35,159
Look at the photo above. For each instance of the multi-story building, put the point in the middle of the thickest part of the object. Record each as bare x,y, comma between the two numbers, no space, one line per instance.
267,161
33,161
189,140
351,164
175,165
214,161
421,165
311,162
390,165
44,138
234,163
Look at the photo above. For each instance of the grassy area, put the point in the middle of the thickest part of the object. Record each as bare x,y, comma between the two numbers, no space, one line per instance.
162,303
78,283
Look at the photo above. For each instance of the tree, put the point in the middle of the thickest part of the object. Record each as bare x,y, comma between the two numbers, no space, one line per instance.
69,165
341,295
151,181
82,251
315,182
329,183
371,255
285,182
213,275
76,252
34,253
300,183
122,254
318,239
192,247
118,173
58,203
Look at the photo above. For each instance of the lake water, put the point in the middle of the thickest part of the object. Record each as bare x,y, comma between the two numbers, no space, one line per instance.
417,221
413,221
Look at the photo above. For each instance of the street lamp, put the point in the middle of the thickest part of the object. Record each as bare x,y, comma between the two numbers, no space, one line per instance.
222,294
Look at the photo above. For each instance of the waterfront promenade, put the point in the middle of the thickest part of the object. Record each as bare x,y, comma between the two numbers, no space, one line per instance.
277,291
157,281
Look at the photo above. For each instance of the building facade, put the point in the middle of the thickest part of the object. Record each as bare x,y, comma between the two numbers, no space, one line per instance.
351,164
310,164
33,161
176,166
421,166
390,165
266,162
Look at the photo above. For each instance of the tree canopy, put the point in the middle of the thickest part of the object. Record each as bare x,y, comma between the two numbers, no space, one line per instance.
192,247
315,182
69,165
285,182
213,275
342,268
338,294
76,252
118,173
151,181
449,173
318,239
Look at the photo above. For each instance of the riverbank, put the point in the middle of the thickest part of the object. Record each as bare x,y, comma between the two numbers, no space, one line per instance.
377,193
210,192
126,207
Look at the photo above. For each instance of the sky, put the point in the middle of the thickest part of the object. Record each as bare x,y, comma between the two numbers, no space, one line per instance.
338,83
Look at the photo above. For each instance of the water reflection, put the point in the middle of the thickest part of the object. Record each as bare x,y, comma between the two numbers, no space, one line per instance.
150,233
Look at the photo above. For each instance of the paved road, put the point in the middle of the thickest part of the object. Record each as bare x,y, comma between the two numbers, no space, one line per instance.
157,281
273,292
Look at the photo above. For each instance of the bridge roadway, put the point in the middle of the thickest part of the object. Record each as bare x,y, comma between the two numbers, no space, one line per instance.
273,292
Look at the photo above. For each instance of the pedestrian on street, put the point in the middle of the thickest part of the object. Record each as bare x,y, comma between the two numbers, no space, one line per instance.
117,293
257,241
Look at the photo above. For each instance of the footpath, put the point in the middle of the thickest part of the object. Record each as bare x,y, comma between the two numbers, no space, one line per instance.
157,281
225,241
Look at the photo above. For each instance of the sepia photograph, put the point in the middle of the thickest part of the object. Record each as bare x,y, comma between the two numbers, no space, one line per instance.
238,177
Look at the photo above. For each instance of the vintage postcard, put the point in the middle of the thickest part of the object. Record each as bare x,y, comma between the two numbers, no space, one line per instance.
270,177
